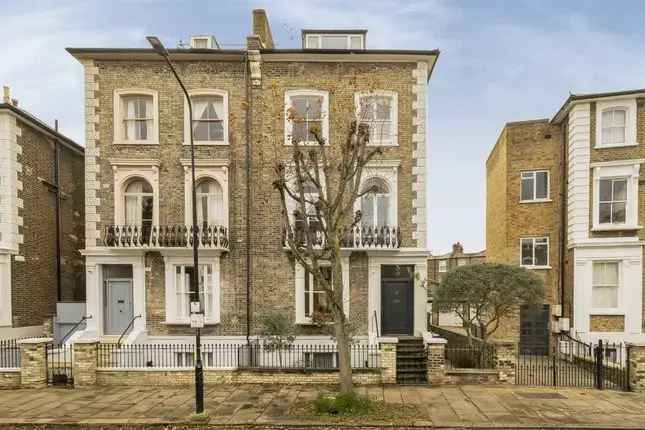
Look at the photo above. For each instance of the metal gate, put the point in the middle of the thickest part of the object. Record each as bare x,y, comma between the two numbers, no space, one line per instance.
59,364
568,362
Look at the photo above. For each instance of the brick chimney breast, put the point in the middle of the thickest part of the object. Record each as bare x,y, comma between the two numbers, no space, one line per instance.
262,29
457,248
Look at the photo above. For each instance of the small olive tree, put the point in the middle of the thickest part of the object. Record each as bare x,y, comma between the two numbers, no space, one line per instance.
483,295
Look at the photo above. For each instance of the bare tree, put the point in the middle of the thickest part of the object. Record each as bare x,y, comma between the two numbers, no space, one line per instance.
318,188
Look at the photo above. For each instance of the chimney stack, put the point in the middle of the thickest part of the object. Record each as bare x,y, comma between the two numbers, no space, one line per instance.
262,29
6,94
457,248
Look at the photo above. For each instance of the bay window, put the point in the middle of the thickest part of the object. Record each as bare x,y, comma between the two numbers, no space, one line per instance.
605,286
306,114
534,251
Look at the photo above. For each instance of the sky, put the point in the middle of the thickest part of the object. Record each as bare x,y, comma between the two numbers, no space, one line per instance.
500,61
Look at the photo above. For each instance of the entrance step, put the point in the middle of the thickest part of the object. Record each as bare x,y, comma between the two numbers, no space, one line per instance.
411,367
109,339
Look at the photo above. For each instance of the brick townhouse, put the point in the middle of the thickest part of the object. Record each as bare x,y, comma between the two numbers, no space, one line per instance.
138,205
438,266
41,221
564,199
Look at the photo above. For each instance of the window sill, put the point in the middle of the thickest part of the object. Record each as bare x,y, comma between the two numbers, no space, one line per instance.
607,312
536,201
616,227
206,143
135,143
537,267
312,323
307,143
382,144
624,145
187,323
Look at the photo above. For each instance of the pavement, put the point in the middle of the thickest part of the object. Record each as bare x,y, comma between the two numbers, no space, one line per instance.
265,406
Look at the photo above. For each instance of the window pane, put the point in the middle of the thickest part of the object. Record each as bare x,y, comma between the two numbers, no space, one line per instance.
618,213
527,189
606,118
542,181
334,42
606,136
314,107
300,132
620,190
604,213
527,252
312,42
619,118
382,210
367,210
541,254
383,108
605,297
618,135
605,190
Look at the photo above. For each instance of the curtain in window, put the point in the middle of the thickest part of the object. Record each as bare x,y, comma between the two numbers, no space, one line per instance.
613,126
376,112
138,117
208,115
308,117
375,205
605,285
139,203
210,202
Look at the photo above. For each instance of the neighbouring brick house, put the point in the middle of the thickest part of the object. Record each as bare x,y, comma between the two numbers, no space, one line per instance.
564,199
438,266
138,185
41,221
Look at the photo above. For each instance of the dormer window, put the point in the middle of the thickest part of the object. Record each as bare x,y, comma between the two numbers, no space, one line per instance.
203,42
332,39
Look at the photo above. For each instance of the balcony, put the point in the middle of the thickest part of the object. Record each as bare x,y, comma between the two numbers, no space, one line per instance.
359,238
165,236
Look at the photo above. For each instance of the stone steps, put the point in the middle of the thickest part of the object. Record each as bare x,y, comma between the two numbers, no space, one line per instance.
411,367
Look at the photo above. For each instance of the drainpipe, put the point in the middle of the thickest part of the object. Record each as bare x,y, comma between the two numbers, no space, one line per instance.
57,210
248,160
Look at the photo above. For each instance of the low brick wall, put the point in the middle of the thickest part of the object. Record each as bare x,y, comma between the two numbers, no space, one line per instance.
9,378
472,376
160,377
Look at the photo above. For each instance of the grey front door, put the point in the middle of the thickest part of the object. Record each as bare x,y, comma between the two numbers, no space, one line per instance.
397,298
119,309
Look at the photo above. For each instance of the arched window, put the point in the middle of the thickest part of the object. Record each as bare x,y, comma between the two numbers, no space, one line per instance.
210,203
139,203
375,205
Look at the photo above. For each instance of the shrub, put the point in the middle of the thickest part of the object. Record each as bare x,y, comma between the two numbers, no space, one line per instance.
343,404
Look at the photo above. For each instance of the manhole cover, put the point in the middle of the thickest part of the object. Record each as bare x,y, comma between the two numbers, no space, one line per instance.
542,395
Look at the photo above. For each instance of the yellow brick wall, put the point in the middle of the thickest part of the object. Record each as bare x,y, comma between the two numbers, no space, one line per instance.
607,323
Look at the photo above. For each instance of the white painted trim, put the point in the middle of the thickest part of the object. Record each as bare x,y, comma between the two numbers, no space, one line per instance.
548,249
218,173
578,173
122,175
629,105
117,138
299,277
548,186
10,184
394,100
388,172
5,291
629,170
288,126
207,92
92,152
348,36
170,261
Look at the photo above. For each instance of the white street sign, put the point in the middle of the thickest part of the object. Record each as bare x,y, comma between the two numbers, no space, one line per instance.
197,320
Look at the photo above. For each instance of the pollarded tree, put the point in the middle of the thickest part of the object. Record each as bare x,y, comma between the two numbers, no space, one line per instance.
483,295
318,186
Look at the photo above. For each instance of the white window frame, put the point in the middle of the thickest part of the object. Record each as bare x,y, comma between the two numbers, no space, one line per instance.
628,169
126,170
394,103
534,173
610,310
300,274
391,199
442,266
319,37
548,250
225,119
205,169
288,125
629,105
6,319
171,263
119,94
387,171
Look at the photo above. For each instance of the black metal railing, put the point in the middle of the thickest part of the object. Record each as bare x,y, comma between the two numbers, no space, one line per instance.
384,237
165,236
73,329
470,357
229,356
9,354
59,361
127,329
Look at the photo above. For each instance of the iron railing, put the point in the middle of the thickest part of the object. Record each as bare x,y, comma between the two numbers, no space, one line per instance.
9,354
230,356
385,237
165,236
127,329
60,364
73,329
470,357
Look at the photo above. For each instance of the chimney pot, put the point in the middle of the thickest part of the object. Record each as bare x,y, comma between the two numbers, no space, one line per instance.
6,94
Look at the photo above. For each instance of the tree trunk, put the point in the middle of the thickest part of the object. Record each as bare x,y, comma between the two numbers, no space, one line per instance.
344,358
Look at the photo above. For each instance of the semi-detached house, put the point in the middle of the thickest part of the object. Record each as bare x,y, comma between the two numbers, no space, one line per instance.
565,200
138,205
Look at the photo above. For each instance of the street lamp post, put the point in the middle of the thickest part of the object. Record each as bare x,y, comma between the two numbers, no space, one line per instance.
199,369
